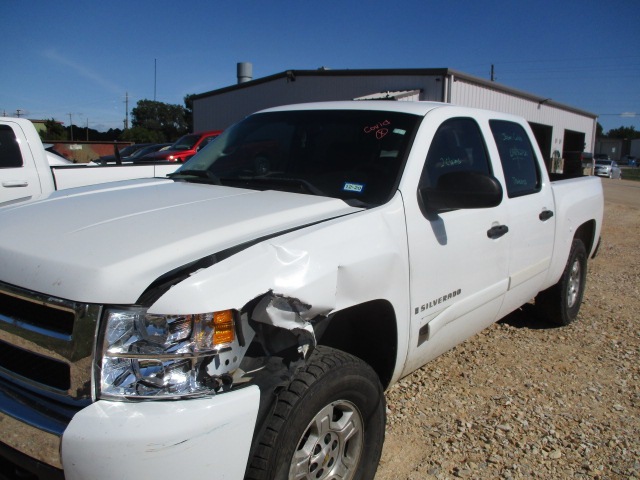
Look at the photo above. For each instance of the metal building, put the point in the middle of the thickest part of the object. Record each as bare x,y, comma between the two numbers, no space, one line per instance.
560,129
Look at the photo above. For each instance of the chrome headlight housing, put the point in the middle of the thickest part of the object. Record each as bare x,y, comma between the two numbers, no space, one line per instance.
152,356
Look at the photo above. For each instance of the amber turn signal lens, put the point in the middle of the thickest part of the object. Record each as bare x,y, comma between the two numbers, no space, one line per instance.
223,329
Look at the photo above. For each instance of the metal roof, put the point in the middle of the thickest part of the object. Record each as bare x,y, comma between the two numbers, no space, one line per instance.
291,75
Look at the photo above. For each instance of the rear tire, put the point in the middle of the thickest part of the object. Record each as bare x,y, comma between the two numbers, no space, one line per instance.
327,423
561,303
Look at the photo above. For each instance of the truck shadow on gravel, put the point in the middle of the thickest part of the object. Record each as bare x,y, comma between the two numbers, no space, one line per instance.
528,316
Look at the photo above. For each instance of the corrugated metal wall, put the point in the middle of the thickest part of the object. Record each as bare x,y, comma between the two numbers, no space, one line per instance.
478,96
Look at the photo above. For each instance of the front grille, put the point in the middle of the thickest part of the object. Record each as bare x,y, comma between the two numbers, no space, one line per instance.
36,314
46,342
46,346
37,368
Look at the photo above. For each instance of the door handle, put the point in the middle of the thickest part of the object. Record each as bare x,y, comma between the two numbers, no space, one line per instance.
545,215
497,231
18,183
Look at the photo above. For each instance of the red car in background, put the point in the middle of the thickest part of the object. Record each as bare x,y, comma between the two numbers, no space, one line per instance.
183,149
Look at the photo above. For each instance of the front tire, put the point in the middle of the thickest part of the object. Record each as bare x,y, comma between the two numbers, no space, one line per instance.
561,302
327,423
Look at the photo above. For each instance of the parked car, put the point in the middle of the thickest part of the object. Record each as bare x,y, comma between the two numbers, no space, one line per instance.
124,153
629,160
138,154
28,172
608,168
183,149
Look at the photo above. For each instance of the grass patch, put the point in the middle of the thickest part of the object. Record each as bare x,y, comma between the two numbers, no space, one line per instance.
631,173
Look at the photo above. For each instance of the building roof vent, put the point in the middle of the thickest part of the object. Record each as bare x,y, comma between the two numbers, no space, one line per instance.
245,72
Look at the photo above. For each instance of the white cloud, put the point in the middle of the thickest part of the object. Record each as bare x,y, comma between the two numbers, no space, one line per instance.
98,79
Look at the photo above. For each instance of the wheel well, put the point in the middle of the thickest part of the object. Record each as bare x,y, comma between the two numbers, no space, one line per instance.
586,233
367,331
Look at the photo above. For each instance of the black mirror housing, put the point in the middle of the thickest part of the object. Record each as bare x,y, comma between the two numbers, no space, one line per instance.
462,190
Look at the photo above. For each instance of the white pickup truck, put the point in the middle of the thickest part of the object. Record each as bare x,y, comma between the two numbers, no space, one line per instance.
242,318
26,172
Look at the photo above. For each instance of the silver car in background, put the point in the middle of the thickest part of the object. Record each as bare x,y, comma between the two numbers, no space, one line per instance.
607,168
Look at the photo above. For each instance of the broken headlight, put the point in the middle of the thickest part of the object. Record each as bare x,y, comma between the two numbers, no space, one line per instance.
163,356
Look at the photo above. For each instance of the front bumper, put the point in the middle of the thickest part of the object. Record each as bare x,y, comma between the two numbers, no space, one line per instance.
196,438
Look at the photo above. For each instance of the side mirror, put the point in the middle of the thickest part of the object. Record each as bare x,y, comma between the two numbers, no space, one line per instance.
461,190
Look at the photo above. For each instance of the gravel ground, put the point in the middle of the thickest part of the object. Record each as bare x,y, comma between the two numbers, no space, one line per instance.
525,399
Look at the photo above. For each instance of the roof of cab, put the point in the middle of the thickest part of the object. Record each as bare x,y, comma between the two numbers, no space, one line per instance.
416,108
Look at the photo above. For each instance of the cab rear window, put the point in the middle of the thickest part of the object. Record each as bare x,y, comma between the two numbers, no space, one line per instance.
10,156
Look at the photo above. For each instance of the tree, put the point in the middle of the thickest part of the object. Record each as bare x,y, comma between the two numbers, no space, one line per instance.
142,135
188,104
53,131
624,133
164,118
599,130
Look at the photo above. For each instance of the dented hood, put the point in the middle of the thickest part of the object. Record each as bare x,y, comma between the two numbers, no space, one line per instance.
106,244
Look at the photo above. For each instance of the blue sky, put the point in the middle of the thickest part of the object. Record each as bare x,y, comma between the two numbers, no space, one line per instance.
83,57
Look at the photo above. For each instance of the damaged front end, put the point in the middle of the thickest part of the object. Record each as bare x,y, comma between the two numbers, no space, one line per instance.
292,321
152,356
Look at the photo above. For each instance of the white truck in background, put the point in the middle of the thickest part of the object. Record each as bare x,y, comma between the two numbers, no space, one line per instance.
29,172
271,288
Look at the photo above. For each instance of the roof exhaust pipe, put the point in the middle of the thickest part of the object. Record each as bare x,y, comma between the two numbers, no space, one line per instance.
245,72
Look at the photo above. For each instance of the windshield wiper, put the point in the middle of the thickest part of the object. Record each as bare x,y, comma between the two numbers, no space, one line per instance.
196,173
277,181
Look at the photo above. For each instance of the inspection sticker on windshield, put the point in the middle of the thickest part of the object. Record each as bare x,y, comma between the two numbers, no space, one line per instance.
353,187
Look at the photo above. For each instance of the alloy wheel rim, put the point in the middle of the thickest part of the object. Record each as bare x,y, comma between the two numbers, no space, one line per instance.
331,445
574,284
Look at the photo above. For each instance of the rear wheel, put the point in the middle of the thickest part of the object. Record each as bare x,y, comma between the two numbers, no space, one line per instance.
561,302
328,423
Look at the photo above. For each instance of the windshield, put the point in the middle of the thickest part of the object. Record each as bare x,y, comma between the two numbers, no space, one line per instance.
186,142
356,156
603,162
126,151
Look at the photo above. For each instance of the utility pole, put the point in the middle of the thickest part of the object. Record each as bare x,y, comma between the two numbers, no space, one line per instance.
18,112
126,111
155,76
493,78
87,129
70,126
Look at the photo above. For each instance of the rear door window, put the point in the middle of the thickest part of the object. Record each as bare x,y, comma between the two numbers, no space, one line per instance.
519,162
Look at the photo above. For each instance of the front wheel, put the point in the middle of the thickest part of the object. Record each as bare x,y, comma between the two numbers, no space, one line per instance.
561,302
327,424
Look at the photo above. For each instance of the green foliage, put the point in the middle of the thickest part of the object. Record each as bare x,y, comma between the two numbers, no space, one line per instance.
163,118
188,105
53,131
142,135
624,133
599,130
